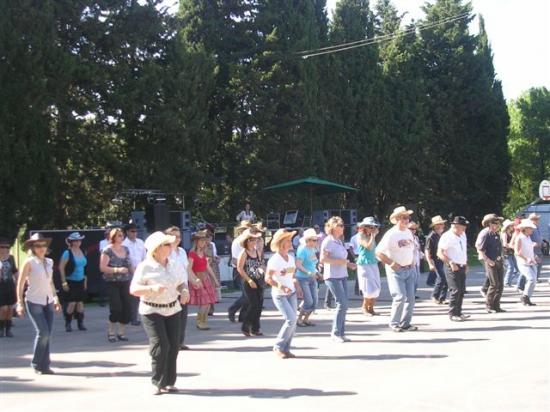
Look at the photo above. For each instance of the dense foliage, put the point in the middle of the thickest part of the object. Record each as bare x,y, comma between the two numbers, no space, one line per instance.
216,102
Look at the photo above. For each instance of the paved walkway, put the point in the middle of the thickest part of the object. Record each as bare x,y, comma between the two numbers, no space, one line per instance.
493,362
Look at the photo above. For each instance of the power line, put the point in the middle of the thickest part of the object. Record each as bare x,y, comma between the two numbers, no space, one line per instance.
380,39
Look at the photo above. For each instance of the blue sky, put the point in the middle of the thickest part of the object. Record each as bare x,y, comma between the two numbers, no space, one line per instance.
519,32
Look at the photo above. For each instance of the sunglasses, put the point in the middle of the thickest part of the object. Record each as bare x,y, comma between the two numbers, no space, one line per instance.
40,246
132,231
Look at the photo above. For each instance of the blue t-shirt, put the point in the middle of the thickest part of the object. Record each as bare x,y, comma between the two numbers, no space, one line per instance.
80,263
366,256
308,257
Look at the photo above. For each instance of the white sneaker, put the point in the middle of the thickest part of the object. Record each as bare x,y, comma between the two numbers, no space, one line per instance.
346,339
338,339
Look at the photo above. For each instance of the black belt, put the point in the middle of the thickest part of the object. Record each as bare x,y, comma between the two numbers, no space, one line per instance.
161,305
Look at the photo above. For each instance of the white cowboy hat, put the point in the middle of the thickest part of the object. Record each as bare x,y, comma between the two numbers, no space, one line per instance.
437,220
157,239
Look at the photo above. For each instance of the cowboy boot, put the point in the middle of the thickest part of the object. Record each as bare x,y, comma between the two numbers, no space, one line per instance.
365,306
371,307
9,323
80,320
68,320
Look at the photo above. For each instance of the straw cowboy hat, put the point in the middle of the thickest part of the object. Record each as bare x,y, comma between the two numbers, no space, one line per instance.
248,234
437,220
399,211
490,218
526,223
259,227
507,223
279,236
412,226
368,221
36,238
533,216
245,224
201,234
156,239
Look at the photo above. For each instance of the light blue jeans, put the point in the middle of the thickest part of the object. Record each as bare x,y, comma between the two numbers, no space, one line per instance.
311,296
42,319
530,273
339,288
401,284
511,270
287,305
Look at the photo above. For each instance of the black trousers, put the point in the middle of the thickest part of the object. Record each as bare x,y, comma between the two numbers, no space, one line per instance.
164,344
184,313
241,302
457,286
119,301
495,274
255,298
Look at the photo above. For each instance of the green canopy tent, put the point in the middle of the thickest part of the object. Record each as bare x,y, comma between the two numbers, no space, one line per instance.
314,185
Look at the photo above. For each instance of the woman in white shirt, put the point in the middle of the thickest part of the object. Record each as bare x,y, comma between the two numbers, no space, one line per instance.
179,255
280,275
159,282
527,262
40,299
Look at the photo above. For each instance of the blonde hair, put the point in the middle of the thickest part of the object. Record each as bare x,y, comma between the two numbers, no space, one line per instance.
332,223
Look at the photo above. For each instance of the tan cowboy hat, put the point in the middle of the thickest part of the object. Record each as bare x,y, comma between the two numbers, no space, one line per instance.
437,220
399,211
279,236
412,225
526,223
245,224
36,238
248,234
259,227
490,218
201,234
533,216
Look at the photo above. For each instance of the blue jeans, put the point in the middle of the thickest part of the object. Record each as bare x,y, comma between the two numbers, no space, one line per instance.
511,270
440,288
401,285
339,288
529,273
309,287
287,305
42,319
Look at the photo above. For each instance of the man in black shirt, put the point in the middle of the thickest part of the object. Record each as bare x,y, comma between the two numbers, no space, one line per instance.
436,265
489,246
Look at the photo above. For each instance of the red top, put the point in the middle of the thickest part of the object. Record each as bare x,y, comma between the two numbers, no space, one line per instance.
199,263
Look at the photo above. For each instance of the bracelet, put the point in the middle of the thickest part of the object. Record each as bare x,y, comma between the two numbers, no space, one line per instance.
64,283
250,280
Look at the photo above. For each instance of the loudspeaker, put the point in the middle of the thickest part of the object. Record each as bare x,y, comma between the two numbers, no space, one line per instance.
349,216
138,218
293,218
181,219
161,216
320,217
273,221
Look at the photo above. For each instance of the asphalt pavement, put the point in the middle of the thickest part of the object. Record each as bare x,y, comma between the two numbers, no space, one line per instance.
492,362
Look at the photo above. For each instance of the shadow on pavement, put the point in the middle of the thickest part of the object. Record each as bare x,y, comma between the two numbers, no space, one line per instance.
263,393
373,357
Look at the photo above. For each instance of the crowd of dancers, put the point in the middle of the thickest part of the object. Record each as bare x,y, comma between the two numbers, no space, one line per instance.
157,280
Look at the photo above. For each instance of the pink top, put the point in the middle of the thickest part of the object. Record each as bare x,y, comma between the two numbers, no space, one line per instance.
199,263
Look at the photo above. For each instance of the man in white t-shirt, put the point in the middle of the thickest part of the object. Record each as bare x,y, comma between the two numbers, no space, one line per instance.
136,247
452,250
396,251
